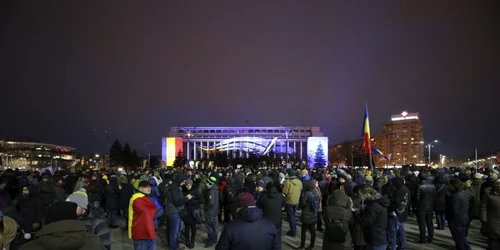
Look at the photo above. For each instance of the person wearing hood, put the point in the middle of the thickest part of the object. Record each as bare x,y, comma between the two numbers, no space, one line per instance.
230,196
426,194
259,190
309,204
398,213
457,213
266,178
271,202
338,208
112,201
64,231
176,202
373,218
292,190
440,200
211,197
30,209
193,214
249,231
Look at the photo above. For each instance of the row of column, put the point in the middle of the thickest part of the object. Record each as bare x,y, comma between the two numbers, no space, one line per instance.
194,150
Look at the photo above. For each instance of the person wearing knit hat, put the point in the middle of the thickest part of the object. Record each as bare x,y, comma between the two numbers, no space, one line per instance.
211,194
80,198
245,200
248,226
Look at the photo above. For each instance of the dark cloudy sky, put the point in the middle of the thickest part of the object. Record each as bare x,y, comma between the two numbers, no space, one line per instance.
68,67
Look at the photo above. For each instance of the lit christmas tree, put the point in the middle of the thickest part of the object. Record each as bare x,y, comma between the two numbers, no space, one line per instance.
319,158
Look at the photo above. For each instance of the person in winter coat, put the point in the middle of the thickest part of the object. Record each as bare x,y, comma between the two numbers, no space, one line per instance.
249,230
292,190
490,216
176,202
476,190
358,239
8,231
373,218
338,208
309,204
230,194
46,191
30,209
319,221
81,183
96,190
440,200
457,213
412,185
112,201
398,214
5,198
59,190
125,194
488,184
211,197
271,202
64,235
426,194
193,214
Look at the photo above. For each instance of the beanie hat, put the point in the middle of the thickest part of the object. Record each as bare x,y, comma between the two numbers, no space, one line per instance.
211,180
189,182
463,177
245,200
80,198
61,211
478,176
261,184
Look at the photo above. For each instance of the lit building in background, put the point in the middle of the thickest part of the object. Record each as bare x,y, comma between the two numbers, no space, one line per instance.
22,155
291,143
403,138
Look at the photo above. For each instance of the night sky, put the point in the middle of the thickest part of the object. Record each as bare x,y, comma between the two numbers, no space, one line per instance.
139,67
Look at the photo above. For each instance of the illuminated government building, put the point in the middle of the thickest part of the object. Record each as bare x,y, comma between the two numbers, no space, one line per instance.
196,143
402,137
16,154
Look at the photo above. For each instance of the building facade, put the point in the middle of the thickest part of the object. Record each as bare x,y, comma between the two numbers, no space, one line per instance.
197,143
403,139
16,154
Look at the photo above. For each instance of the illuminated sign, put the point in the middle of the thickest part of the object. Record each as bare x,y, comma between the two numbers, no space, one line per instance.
405,116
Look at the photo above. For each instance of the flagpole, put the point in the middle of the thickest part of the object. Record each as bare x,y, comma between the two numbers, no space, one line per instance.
476,157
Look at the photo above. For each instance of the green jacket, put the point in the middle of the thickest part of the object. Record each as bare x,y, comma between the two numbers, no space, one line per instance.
292,190
65,235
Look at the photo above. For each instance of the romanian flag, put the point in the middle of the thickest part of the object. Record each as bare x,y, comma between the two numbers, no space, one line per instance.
378,152
366,133
141,212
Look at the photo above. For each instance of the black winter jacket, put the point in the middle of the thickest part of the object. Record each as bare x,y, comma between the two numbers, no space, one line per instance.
271,202
308,216
457,208
440,200
211,197
373,219
249,231
400,199
426,194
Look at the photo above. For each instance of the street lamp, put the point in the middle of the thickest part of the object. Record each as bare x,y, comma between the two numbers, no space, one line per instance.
429,146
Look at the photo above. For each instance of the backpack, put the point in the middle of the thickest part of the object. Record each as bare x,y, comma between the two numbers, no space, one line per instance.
335,231
231,195
315,201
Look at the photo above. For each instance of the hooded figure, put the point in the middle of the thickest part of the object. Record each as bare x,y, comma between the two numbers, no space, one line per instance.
338,208
271,203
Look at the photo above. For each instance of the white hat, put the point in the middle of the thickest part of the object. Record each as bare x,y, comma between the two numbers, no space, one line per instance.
478,176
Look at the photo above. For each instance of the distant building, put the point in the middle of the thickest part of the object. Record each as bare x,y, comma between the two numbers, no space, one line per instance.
198,143
16,154
402,138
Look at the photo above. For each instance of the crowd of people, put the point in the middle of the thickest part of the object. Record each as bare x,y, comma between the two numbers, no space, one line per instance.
355,208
